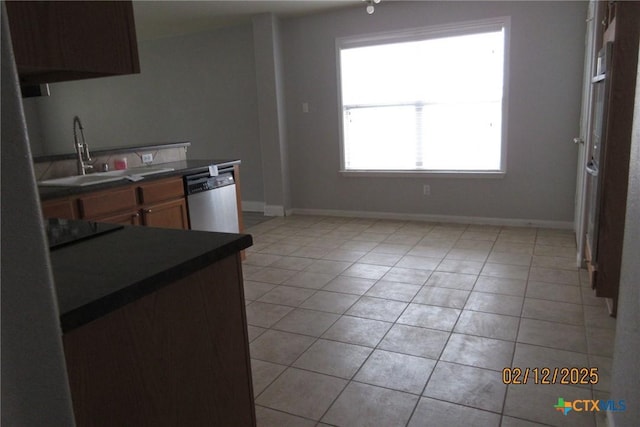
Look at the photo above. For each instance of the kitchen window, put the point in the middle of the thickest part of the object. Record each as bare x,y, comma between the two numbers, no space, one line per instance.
425,100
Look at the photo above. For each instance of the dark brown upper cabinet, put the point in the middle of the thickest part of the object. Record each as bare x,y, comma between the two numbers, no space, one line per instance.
56,41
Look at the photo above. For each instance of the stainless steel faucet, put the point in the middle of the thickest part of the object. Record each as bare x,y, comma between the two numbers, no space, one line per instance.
82,149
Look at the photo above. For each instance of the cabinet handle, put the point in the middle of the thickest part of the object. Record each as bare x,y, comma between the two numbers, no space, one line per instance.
147,211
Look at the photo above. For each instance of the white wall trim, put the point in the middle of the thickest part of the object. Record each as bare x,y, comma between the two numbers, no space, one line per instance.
252,206
278,210
274,210
451,29
512,222
268,210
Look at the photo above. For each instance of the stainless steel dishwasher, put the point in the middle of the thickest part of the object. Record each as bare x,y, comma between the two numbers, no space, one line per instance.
211,201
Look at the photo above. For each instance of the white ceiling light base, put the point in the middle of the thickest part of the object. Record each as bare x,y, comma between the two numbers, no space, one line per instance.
370,6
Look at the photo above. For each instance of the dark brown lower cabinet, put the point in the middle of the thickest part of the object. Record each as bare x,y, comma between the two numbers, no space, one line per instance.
171,214
157,203
60,208
124,218
176,357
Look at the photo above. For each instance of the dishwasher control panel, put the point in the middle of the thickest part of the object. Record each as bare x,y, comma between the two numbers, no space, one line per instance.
204,182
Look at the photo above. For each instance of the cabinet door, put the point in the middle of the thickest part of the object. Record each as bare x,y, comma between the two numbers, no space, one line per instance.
59,208
171,214
176,357
106,203
161,190
69,40
125,218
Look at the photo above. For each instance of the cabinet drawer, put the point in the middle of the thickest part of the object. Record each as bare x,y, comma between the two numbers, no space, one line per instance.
106,202
126,218
161,190
59,208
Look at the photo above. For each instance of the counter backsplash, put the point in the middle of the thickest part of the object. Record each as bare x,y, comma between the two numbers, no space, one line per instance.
51,168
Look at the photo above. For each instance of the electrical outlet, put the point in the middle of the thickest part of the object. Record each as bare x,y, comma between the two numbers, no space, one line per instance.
147,158
426,190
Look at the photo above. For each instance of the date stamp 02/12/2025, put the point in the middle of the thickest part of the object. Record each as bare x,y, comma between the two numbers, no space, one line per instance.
568,376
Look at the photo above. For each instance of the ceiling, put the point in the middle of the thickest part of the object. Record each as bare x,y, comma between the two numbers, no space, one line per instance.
156,19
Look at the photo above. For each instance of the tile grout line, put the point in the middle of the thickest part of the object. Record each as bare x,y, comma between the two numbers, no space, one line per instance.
515,344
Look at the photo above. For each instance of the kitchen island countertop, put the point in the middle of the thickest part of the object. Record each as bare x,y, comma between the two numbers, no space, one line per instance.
96,276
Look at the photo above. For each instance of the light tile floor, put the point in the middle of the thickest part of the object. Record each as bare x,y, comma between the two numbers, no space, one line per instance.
356,322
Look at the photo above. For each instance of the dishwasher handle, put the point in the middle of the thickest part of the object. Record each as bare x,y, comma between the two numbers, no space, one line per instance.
203,175
196,176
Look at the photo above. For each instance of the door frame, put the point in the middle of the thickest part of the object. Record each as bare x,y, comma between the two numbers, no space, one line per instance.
592,41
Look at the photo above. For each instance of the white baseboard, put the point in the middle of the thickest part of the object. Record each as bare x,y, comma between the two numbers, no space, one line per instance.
268,210
278,210
274,210
511,222
580,262
251,206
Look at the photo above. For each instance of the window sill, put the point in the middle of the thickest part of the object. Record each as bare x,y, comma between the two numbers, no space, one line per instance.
421,174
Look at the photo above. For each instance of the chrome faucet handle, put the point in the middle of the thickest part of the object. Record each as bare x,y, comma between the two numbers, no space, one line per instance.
85,152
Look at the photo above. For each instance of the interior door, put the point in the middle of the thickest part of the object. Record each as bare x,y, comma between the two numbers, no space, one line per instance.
584,140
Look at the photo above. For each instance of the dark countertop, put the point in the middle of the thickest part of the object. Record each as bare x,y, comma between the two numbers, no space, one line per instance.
183,167
101,274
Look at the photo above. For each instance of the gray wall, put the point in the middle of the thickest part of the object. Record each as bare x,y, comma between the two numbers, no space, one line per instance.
204,88
626,369
547,51
272,124
34,390
199,88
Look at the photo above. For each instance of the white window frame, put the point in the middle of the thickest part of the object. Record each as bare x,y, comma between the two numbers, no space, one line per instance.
416,34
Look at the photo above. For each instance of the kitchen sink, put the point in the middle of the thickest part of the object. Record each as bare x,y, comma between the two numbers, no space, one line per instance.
101,177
